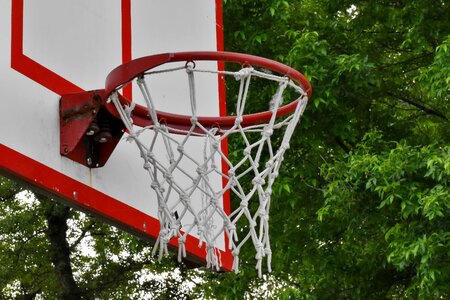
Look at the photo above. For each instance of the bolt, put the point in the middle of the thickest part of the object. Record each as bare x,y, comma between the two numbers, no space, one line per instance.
89,161
103,137
75,195
104,133
145,226
93,128
66,150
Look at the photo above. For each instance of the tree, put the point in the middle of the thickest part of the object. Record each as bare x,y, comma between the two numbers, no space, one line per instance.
361,207
51,251
379,86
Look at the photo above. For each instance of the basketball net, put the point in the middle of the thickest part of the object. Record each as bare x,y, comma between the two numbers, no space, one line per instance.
247,174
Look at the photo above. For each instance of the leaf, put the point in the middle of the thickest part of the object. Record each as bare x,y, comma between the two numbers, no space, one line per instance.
292,202
272,11
287,188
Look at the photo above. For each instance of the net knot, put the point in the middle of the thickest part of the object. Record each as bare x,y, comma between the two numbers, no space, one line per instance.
230,226
244,203
129,109
259,250
215,201
155,185
232,235
162,206
269,164
258,180
263,214
243,73
157,128
209,246
176,225
200,229
150,155
168,176
201,170
180,148
247,151
165,235
267,132
189,67
194,120
238,121
166,239
184,198
131,137
147,165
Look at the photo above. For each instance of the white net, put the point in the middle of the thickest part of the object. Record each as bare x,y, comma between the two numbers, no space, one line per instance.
189,206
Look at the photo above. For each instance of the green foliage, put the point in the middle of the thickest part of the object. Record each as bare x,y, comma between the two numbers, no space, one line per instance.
436,76
406,187
361,207
106,262
378,119
26,268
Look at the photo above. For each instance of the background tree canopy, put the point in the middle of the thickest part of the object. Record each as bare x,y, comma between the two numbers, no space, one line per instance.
361,208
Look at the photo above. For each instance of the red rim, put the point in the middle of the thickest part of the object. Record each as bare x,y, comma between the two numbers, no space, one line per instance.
125,73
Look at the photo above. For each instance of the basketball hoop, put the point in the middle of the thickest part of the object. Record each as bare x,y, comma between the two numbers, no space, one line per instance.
134,69
248,176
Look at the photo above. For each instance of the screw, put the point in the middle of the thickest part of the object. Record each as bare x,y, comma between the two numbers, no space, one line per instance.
145,226
66,150
89,161
75,195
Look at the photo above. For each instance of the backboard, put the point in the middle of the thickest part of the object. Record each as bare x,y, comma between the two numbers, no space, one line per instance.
50,48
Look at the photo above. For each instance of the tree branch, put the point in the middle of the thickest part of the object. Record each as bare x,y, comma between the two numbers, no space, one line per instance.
342,144
420,106
85,230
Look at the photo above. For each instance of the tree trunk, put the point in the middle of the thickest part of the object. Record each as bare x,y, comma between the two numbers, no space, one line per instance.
56,215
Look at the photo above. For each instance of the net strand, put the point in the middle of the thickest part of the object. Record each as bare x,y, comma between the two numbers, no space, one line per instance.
247,178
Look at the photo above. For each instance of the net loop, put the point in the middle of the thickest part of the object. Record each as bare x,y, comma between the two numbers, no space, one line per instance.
243,73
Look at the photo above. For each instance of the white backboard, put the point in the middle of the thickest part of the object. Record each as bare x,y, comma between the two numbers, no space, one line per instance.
49,48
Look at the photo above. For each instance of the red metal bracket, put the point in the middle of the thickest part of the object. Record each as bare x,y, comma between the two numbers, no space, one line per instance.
88,132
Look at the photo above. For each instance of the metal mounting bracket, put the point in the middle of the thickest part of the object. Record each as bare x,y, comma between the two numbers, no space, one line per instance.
88,132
